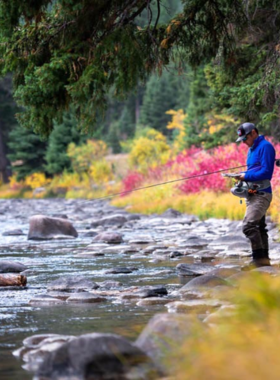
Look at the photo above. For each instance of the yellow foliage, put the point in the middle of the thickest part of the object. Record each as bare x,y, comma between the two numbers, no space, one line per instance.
155,135
36,180
101,172
15,184
218,122
168,29
146,152
241,345
177,122
205,204
164,43
275,205
83,156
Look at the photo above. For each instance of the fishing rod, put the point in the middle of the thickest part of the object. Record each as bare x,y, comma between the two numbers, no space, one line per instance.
277,163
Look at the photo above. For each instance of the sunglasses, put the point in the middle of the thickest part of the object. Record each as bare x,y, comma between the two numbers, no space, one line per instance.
246,136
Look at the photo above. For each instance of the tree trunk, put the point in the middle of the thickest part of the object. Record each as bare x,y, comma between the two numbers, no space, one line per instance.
9,279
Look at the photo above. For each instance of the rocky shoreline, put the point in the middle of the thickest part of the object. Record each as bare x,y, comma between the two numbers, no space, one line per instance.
207,257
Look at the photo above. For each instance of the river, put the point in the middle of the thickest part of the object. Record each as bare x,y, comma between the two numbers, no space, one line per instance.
50,260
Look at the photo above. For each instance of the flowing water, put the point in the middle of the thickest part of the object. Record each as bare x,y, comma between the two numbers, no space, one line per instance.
50,260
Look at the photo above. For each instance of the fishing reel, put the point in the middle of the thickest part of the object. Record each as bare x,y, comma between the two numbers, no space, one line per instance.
244,189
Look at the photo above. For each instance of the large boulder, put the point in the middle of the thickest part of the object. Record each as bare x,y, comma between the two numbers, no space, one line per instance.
163,334
42,227
97,356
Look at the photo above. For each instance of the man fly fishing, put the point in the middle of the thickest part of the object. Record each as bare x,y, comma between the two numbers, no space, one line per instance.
256,180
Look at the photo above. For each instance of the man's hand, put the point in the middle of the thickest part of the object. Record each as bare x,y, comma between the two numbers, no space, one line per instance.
241,177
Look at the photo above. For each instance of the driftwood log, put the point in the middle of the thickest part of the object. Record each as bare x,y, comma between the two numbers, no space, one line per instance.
12,279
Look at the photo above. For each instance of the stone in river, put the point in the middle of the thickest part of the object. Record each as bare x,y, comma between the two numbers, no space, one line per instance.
42,227
84,297
118,270
152,301
152,291
109,237
196,306
45,299
162,334
75,283
193,269
114,220
7,266
17,232
171,213
97,356
205,281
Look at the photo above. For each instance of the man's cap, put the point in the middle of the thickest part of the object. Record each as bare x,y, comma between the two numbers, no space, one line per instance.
243,130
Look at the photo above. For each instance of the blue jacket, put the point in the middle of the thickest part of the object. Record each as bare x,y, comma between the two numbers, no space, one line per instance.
260,161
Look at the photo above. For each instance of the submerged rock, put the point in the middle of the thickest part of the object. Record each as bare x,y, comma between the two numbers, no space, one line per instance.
75,283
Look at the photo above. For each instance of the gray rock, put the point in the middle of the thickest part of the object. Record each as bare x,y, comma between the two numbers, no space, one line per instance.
175,254
114,220
17,232
97,356
205,281
11,266
109,284
75,283
84,297
109,237
45,299
193,269
162,333
152,291
201,306
224,272
171,213
42,227
118,270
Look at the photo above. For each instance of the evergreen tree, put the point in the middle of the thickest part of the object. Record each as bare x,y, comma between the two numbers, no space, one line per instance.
170,91
199,105
76,51
62,135
7,123
27,152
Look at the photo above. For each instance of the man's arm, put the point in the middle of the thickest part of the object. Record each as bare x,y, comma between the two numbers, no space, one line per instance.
265,171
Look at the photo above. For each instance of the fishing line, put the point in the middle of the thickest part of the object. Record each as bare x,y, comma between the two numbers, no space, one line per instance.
277,162
165,183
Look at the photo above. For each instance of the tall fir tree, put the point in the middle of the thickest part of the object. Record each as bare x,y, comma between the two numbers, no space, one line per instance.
7,123
62,135
27,152
199,105
170,91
